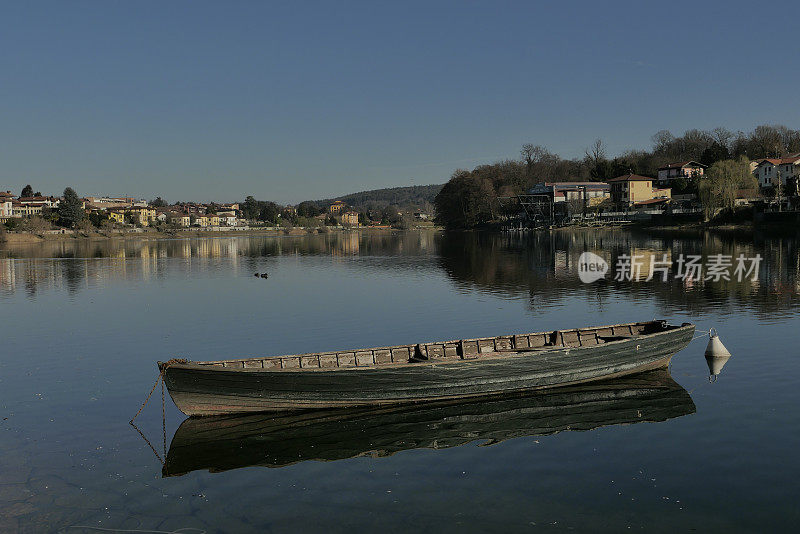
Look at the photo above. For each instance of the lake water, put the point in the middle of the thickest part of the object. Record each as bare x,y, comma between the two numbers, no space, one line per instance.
83,324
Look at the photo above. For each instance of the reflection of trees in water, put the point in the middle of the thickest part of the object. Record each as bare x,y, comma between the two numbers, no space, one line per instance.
545,265
541,266
76,264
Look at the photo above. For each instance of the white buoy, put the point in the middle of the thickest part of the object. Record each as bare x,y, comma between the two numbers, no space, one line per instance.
715,348
716,354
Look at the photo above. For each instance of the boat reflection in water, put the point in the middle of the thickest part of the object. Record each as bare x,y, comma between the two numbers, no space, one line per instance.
220,443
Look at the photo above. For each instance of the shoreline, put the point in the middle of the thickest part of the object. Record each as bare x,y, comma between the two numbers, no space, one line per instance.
30,238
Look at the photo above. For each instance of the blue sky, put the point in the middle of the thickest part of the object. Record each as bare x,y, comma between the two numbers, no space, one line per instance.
296,100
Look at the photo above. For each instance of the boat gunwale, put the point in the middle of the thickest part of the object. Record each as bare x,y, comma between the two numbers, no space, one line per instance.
215,365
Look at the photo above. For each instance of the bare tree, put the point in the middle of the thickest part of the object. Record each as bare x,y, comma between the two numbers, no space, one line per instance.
722,136
695,142
36,224
596,161
766,141
662,141
597,151
533,154
778,183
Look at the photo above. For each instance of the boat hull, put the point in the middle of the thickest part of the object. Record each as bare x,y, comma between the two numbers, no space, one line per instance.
276,440
212,390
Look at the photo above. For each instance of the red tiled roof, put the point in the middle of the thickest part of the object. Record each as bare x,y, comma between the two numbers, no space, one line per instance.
780,161
631,178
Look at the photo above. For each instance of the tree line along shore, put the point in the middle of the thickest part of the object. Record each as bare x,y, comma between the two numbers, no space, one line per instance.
489,194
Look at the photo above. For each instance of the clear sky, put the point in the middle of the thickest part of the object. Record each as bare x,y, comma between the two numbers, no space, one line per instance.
289,101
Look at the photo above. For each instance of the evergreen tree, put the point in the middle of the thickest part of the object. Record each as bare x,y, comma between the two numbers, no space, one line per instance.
70,209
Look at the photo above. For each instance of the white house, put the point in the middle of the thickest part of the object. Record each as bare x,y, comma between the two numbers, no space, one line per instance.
42,202
682,169
6,208
768,170
227,218
6,204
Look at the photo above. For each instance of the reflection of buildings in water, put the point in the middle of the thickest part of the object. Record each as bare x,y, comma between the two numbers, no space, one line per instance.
647,262
346,244
561,263
75,265
540,266
183,250
426,241
525,265
8,278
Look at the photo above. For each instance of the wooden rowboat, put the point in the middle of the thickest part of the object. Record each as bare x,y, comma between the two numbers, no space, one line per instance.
275,440
423,372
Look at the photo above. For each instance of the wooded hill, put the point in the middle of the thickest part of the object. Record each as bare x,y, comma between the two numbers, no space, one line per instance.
415,195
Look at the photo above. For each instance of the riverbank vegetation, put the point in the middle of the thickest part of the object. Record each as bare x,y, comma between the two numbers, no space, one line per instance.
473,197
718,187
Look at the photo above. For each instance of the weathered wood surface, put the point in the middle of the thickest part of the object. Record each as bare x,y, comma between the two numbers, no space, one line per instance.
274,440
424,372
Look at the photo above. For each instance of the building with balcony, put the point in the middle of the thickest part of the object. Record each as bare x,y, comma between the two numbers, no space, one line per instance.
682,169
592,193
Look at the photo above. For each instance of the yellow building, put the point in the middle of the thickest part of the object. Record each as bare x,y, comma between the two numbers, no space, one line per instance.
142,215
117,216
350,218
662,192
25,210
201,221
180,219
633,189
213,220
337,207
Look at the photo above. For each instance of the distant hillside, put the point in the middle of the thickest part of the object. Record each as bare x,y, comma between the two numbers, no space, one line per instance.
398,196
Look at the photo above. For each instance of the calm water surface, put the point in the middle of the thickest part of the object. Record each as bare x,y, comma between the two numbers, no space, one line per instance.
84,323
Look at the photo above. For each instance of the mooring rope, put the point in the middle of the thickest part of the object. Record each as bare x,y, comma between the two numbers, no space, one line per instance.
703,333
160,378
147,399
136,428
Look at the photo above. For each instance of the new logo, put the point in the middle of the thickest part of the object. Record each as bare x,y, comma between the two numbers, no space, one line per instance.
591,267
